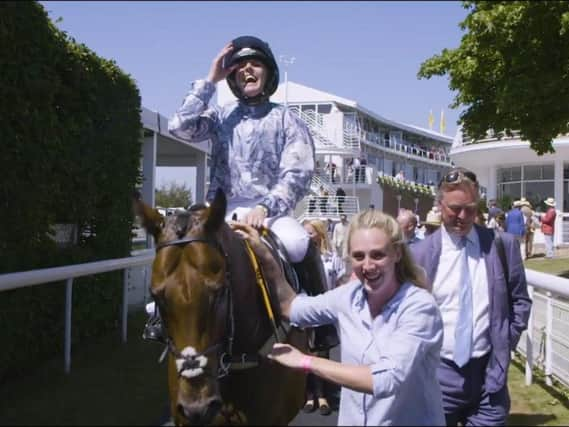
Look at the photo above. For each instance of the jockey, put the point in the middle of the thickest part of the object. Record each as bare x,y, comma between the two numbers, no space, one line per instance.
262,154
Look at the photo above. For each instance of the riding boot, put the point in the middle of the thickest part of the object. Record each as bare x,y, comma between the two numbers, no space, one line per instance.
312,278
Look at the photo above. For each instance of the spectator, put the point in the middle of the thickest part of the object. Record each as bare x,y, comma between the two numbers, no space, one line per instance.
432,221
498,222
339,235
390,328
400,176
341,197
493,210
408,223
530,224
316,395
515,222
484,308
548,226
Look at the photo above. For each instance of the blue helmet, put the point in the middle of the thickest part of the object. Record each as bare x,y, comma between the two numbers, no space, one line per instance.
252,47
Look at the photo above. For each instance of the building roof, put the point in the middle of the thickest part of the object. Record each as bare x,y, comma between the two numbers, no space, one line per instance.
300,93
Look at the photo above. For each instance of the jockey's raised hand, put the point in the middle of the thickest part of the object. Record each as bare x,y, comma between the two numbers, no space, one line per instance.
217,72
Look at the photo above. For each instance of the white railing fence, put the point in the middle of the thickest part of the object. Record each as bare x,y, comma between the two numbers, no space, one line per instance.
47,276
545,343
324,207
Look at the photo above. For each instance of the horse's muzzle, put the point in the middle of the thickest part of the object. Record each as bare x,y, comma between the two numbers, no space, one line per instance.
199,413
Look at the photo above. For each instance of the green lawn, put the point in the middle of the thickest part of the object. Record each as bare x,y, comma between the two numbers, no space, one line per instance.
533,405
557,266
109,384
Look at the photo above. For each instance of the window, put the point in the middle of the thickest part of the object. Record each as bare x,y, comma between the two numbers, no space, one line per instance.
510,174
396,137
324,108
538,172
308,107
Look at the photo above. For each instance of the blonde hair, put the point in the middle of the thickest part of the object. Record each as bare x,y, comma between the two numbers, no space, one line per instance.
405,269
321,232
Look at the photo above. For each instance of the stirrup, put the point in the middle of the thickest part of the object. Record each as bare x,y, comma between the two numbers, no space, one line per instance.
153,330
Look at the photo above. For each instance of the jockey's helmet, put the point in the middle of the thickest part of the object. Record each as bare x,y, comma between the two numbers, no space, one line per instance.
252,47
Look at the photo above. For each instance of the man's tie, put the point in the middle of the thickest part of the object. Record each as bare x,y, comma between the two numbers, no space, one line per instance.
463,331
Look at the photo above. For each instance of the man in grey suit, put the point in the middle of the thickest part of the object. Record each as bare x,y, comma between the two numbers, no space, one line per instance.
484,309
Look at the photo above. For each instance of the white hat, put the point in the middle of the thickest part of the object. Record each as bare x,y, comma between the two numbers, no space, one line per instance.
433,218
550,201
517,203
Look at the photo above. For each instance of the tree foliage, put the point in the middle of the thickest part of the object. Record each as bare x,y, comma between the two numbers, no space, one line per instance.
511,70
173,195
70,137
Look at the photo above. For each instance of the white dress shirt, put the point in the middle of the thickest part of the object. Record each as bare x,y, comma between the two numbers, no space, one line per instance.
446,291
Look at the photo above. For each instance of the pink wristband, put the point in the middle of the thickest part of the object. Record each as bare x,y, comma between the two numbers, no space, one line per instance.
306,363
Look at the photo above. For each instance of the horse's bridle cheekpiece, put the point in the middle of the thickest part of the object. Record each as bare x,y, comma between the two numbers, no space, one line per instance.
193,361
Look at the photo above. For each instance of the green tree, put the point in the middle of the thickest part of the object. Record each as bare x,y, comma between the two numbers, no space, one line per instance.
511,70
173,194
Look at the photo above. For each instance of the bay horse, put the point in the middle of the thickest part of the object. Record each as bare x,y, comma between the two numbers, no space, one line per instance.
215,323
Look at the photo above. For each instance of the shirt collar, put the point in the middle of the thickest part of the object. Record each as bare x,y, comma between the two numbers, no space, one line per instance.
454,240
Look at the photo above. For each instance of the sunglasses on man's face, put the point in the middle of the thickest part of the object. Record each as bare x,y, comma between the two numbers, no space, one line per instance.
456,176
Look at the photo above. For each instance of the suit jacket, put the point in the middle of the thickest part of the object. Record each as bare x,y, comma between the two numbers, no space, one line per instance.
510,304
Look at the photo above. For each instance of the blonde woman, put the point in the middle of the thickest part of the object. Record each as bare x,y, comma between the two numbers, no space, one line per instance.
390,328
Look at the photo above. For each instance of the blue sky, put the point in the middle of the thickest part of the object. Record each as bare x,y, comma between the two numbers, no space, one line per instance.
369,52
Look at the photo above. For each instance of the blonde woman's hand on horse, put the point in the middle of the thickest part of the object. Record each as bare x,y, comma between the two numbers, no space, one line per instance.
287,355
217,72
251,235
271,268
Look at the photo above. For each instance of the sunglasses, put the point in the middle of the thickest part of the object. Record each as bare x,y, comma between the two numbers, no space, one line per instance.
456,176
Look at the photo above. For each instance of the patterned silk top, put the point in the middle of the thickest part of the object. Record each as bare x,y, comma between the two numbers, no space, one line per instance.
262,154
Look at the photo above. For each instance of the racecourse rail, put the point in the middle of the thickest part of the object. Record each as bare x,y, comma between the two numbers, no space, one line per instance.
545,344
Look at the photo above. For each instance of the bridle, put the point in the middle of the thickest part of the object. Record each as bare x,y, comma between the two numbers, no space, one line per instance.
225,353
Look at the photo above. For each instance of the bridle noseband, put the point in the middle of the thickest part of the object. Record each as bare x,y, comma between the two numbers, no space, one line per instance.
192,361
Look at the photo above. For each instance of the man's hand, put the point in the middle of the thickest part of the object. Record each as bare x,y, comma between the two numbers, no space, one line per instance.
217,72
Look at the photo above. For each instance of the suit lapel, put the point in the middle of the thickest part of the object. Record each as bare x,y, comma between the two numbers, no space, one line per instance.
434,255
486,243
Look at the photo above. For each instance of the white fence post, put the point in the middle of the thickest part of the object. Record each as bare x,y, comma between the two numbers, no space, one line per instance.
67,338
548,333
529,342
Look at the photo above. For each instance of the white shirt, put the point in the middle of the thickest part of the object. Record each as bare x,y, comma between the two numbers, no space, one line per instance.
446,289
339,236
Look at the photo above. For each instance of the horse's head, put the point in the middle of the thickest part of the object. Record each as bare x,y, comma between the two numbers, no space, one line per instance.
191,290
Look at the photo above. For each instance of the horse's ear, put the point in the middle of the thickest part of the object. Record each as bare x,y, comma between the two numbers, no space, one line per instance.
150,218
216,214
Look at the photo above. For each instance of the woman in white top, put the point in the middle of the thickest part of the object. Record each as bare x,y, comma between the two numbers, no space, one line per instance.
333,266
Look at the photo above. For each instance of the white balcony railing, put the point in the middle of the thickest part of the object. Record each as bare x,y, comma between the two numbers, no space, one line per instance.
327,207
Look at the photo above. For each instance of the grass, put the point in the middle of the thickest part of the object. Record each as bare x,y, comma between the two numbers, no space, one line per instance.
556,266
110,384
534,404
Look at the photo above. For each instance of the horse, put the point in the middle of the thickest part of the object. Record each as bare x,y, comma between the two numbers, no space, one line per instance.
215,323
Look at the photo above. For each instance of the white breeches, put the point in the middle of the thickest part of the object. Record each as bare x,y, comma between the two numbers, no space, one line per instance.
292,235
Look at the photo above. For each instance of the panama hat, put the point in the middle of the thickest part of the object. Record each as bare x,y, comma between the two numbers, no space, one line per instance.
517,203
550,201
525,202
433,218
